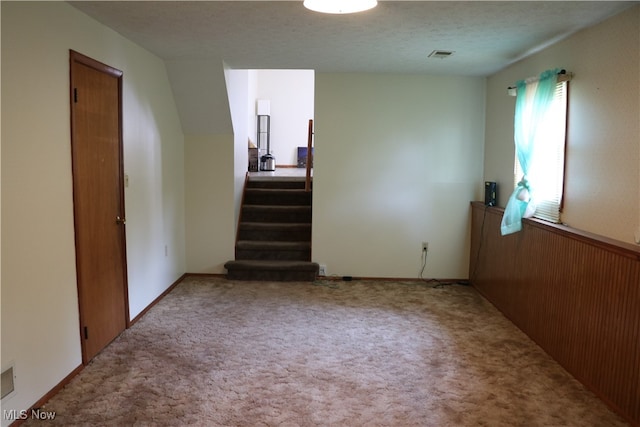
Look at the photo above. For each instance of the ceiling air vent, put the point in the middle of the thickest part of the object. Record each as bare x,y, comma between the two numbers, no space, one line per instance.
440,54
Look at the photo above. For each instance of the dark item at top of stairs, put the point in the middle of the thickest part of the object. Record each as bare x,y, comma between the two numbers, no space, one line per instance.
274,232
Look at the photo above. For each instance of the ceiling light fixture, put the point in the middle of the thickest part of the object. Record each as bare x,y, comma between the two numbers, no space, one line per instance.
340,6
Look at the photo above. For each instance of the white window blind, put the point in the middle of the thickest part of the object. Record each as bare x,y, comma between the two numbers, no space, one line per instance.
546,175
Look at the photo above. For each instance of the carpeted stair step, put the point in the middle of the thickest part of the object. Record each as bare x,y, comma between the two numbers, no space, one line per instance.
275,231
281,271
278,213
280,183
277,196
283,251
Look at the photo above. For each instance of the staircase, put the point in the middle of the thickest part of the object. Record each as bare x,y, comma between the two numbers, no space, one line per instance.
274,233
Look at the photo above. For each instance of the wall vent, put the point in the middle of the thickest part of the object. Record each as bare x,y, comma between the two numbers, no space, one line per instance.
8,385
441,54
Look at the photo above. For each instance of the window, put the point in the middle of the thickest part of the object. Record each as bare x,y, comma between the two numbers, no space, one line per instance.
539,135
546,170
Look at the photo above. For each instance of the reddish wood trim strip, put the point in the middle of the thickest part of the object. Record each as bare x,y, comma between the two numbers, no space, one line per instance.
394,279
307,185
244,187
220,275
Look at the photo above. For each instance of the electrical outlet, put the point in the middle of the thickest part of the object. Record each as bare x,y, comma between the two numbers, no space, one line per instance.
637,236
322,270
425,246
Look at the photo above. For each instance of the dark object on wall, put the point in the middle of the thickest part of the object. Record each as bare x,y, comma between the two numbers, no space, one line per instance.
490,193
302,157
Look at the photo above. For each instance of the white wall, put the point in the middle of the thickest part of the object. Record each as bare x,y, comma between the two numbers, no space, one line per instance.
154,164
602,184
201,95
210,155
209,198
252,96
40,328
237,82
397,162
291,94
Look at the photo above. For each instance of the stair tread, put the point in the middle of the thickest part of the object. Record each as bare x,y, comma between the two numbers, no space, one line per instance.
274,207
275,190
269,178
271,265
278,207
272,245
255,224
294,185
277,196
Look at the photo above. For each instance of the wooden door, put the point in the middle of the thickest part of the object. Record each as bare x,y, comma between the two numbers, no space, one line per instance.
98,196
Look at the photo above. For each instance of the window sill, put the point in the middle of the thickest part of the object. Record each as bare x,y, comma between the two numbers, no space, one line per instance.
628,250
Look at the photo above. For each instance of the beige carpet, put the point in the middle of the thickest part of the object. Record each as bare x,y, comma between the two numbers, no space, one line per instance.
221,353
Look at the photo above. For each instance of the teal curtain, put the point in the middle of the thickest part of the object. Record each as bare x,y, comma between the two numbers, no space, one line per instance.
533,100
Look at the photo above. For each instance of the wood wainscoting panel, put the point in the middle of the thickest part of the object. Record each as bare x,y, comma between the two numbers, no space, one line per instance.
577,295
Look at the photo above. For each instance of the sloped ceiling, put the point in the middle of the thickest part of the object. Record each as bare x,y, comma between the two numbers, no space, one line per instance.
200,93
394,37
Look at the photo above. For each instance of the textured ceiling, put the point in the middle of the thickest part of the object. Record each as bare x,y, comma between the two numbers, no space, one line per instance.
396,36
